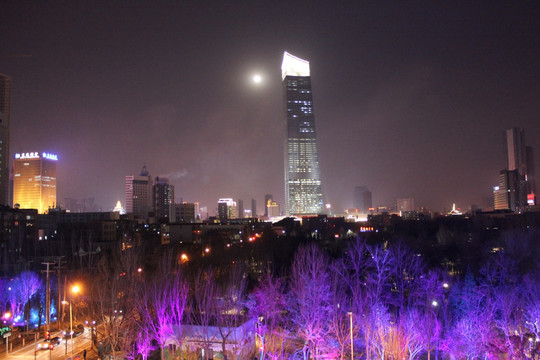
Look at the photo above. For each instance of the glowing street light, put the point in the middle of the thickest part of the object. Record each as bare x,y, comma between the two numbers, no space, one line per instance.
257,78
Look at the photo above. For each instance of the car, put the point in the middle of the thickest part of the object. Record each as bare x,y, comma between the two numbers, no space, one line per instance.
77,330
49,343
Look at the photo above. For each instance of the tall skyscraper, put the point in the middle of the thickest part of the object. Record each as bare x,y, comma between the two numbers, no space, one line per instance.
362,199
138,192
303,194
253,208
5,119
34,181
163,200
516,187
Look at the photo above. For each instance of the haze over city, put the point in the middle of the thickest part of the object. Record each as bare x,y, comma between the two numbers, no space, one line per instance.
411,99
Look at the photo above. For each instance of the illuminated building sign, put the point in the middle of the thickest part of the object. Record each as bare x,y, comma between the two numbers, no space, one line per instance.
35,155
531,199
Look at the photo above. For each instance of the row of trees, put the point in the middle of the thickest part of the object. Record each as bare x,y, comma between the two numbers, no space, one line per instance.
383,297
378,301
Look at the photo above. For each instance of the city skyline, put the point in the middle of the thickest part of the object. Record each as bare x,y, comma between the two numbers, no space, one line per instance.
413,100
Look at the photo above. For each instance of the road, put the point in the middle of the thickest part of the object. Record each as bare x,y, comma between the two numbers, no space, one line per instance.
28,352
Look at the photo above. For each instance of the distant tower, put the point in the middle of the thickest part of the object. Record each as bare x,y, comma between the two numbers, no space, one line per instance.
34,181
303,194
505,194
138,192
518,178
267,198
254,208
405,204
240,206
5,119
362,199
226,209
163,200
119,208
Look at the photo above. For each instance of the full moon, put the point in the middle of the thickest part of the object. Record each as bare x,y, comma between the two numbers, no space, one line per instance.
257,79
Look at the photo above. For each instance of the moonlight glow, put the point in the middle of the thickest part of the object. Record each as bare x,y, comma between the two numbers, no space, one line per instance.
257,79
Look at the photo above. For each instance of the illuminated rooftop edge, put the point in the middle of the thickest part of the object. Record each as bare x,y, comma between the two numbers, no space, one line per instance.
293,66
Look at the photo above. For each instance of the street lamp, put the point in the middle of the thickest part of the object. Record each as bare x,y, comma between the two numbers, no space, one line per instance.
75,290
70,326
351,328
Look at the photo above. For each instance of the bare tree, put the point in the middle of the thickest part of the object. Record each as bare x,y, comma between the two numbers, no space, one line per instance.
26,285
310,300
268,309
203,305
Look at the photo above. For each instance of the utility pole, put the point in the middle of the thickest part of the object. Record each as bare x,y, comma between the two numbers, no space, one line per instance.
48,296
58,269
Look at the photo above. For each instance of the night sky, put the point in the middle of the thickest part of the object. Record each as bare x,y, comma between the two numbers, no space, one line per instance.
410,98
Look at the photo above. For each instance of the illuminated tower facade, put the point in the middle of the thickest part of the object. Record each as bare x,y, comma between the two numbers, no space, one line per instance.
34,181
138,193
5,117
303,194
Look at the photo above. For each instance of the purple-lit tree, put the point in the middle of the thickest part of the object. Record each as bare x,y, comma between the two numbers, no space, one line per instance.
23,288
230,312
339,324
203,304
268,308
310,297
179,297
353,270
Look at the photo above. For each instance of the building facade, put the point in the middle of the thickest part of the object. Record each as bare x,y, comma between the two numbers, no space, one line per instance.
34,181
516,185
138,192
303,193
5,119
163,199
226,209
362,199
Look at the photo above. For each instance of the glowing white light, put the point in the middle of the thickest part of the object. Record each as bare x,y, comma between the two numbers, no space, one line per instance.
257,79
294,66
434,303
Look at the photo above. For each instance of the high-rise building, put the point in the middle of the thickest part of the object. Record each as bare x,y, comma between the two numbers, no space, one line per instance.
34,181
5,119
226,209
186,212
138,191
240,208
303,194
163,199
405,205
253,208
362,199
267,198
516,185
505,194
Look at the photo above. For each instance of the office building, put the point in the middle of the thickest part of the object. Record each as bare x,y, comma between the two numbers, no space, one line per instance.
506,192
34,181
516,184
362,199
303,194
138,192
253,208
240,208
5,119
405,205
226,209
272,209
163,200
186,212
267,198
